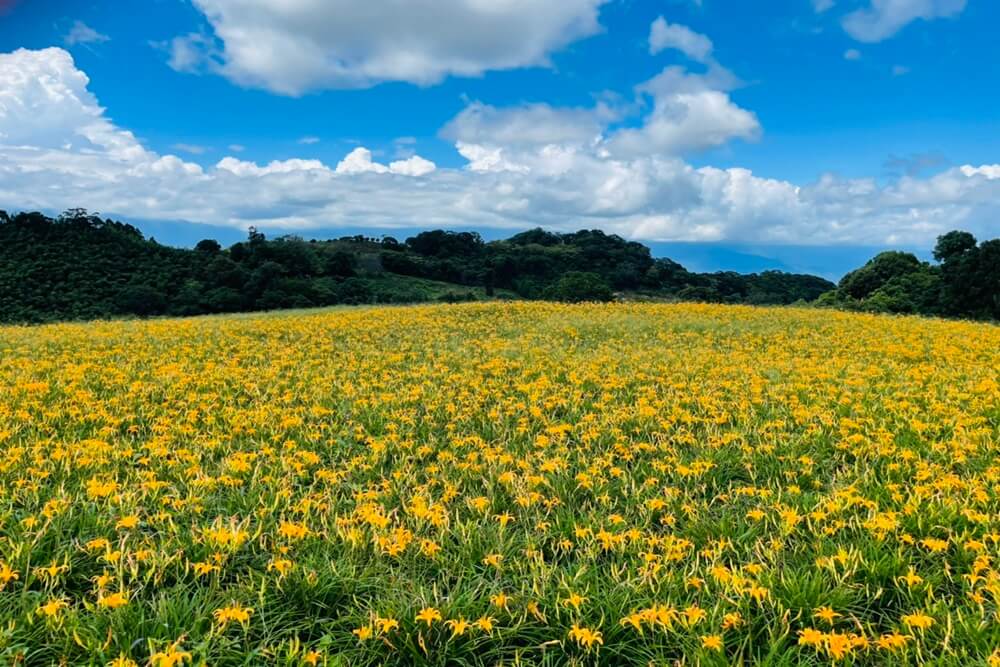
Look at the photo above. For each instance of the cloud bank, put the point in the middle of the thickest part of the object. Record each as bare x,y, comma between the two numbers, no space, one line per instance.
563,168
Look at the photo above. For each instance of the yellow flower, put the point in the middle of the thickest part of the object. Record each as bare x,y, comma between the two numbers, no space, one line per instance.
171,657
127,522
918,620
811,637
202,569
500,600
826,614
386,625
485,623
732,620
493,560
585,636
7,575
711,642
52,608
428,615
112,601
694,615
458,627
282,565
892,642
233,612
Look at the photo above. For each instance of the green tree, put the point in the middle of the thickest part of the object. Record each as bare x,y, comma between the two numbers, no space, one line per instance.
579,286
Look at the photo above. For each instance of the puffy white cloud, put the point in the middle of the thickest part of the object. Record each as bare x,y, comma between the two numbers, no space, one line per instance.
990,171
359,161
293,47
58,149
663,35
690,112
412,166
884,18
244,168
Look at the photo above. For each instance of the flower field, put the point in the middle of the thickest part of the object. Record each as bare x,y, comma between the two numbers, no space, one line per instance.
522,484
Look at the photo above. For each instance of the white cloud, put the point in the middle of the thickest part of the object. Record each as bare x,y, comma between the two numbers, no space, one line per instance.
193,53
663,35
900,70
359,161
990,171
412,166
529,124
690,112
852,54
293,47
308,141
81,33
59,149
820,6
237,148
244,168
884,18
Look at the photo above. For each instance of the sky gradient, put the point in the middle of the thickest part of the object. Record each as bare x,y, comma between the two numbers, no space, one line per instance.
800,132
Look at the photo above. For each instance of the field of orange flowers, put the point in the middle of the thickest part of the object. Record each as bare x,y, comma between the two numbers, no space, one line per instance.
487,484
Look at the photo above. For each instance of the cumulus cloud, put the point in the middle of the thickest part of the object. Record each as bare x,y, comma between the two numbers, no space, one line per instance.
293,47
59,149
663,35
690,112
884,18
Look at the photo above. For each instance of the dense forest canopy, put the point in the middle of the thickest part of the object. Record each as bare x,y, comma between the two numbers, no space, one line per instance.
80,266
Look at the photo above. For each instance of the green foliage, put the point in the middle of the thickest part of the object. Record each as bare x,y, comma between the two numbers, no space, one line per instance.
578,287
79,266
862,283
966,282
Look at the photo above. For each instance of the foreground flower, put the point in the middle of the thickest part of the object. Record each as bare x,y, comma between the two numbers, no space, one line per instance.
918,620
52,608
113,600
711,642
428,615
233,612
586,637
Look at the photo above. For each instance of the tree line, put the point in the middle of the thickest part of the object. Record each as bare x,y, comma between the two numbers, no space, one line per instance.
80,266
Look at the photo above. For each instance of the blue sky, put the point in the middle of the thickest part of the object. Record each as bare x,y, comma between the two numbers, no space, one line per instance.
792,129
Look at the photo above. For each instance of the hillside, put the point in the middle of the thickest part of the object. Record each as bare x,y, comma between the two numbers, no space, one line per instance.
79,266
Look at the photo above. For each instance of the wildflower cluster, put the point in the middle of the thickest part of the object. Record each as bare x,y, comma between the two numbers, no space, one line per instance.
501,483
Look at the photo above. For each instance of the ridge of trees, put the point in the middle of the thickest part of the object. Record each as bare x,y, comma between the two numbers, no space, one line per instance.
80,266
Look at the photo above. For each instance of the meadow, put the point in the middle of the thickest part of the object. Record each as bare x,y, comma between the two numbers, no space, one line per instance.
517,484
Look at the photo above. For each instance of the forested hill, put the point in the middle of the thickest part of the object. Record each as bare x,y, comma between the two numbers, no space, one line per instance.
79,266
